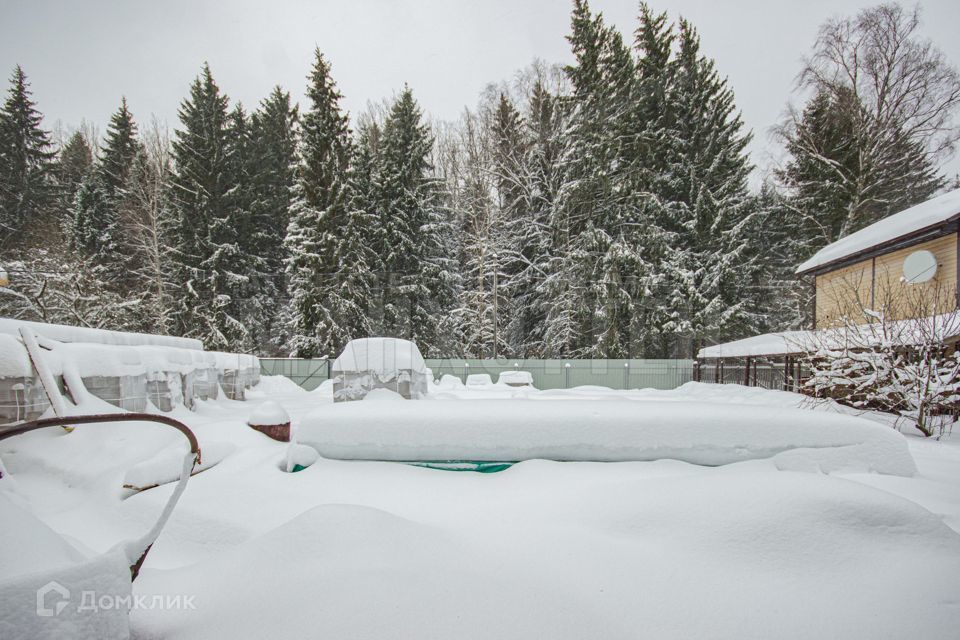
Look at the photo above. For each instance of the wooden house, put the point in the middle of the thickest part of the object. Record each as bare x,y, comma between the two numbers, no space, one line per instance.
902,268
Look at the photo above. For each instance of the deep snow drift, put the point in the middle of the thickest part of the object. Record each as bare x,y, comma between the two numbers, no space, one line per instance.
347,549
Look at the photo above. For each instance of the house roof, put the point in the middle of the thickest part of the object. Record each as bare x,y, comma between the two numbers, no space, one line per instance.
900,332
926,215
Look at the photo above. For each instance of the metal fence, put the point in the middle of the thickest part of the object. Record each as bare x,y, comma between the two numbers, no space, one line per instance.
547,374
765,374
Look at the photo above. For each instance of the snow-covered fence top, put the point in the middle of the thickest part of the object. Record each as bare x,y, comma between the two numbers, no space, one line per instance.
926,214
64,333
702,433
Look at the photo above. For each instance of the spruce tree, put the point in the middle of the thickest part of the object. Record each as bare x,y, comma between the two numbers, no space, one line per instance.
204,238
272,176
321,319
418,277
528,235
843,173
118,153
27,190
707,212
600,267
74,162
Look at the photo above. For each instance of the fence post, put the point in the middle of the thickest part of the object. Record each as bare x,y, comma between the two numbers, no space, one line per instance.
626,375
566,375
746,373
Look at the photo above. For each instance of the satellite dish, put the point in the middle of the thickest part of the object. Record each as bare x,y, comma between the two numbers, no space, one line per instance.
920,266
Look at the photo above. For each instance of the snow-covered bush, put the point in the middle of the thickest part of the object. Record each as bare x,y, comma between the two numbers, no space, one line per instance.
905,367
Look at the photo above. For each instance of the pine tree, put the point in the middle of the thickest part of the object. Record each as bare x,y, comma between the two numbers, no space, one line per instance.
27,190
272,176
322,319
707,206
74,162
528,235
600,268
118,153
512,183
844,173
97,223
94,226
418,278
204,237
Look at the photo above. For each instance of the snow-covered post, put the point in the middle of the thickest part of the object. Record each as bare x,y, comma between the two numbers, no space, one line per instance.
466,372
626,375
566,375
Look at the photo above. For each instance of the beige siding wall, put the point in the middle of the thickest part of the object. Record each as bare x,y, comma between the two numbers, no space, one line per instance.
877,284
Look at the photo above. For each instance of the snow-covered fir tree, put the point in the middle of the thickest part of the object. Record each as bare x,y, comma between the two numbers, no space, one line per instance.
206,253
73,163
706,208
272,176
843,173
418,279
601,263
323,318
27,188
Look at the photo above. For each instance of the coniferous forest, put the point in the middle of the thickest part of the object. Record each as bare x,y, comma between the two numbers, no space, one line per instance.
600,209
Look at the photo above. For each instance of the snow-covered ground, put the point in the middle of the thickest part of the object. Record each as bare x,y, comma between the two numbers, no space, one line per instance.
359,549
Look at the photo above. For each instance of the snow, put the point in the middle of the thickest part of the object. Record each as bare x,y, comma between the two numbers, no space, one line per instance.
166,465
101,360
768,344
614,430
381,355
32,554
563,550
902,332
268,414
926,214
64,333
275,385
524,378
479,380
14,361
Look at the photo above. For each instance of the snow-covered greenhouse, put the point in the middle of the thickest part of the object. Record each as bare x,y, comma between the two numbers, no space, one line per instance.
379,363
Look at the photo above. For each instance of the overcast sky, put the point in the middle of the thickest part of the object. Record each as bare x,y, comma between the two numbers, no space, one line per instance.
81,56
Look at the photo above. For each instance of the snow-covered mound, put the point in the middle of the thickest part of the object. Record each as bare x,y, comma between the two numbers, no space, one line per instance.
517,378
614,430
665,555
31,606
267,414
270,386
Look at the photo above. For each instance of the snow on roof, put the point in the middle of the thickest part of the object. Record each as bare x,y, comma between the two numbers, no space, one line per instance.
921,216
380,354
64,333
768,344
901,332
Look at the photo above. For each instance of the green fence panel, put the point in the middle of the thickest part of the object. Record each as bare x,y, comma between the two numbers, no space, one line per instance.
547,374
